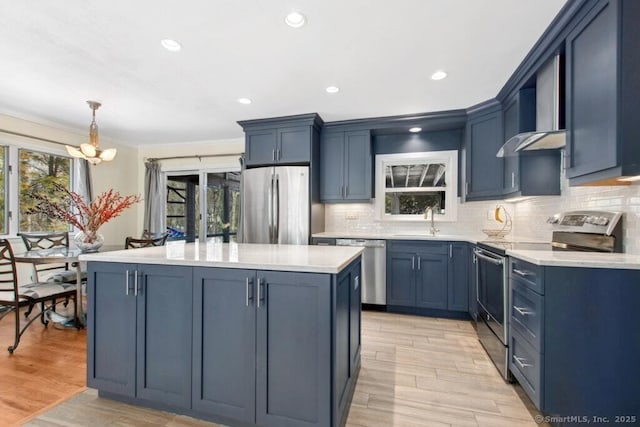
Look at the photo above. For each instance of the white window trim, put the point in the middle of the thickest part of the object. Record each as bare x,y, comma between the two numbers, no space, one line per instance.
12,180
448,157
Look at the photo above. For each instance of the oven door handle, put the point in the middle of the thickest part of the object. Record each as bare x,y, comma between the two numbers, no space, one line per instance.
489,259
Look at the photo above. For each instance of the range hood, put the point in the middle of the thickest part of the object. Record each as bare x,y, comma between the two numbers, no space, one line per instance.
548,134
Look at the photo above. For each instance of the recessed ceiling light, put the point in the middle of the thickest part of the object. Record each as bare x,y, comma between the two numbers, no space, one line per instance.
295,19
245,101
438,75
332,89
171,45
415,130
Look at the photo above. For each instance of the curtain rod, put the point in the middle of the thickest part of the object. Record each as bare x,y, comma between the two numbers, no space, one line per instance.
10,132
195,156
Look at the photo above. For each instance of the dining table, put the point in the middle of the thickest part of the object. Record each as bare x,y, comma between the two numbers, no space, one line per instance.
60,255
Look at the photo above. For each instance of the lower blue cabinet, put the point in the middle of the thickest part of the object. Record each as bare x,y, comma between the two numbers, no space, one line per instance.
266,348
139,342
428,275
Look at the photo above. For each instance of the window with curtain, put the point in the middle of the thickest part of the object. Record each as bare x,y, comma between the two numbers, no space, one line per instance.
44,170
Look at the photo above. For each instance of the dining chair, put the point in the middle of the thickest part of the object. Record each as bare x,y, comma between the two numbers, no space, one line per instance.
42,272
134,243
14,296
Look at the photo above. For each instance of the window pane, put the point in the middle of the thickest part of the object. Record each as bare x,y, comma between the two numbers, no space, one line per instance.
398,203
43,170
3,190
223,205
415,175
183,207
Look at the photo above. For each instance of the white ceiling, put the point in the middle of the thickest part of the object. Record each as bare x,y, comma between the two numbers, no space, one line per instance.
54,55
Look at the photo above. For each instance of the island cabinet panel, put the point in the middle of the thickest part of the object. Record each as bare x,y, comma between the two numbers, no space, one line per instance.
139,343
355,319
293,366
111,325
224,350
164,334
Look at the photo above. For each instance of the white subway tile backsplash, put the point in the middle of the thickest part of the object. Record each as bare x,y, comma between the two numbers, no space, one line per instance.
529,216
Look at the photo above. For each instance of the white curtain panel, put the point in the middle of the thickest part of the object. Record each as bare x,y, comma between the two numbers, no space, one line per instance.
154,195
82,180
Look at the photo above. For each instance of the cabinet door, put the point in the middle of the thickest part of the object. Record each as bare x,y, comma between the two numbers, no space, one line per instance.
357,150
294,145
293,349
459,266
511,163
401,279
432,280
355,315
224,331
484,170
164,344
332,167
260,147
592,108
111,328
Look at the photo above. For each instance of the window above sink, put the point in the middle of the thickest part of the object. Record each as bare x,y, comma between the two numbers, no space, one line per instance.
409,183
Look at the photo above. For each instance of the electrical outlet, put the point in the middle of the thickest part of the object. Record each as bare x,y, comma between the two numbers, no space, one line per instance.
351,215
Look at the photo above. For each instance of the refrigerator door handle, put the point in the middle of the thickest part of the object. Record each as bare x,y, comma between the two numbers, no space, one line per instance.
276,205
270,211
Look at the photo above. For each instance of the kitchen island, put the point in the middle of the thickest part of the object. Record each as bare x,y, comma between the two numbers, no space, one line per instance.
240,334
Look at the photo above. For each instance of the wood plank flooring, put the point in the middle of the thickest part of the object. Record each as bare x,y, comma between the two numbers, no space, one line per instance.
416,371
48,366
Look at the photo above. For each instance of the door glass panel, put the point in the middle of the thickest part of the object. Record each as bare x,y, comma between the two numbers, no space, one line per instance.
223,205
183,207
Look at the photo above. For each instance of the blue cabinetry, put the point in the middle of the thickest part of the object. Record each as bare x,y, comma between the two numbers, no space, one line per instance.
602,93
483,139
345,166
570,347
139,341
282,140
428,275
246,347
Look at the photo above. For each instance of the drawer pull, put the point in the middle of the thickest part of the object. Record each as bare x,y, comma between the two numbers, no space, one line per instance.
522,273
523,311
519,361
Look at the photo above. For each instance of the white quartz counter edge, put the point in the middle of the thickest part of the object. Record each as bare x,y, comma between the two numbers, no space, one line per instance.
308,259
578,259
398,236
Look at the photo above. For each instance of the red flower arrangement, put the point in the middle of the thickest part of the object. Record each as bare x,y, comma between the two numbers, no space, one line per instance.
70,207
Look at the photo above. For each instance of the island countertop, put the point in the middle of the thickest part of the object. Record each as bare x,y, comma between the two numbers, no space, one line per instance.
303,258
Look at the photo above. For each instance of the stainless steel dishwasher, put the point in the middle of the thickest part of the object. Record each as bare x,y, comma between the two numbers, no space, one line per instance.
374,269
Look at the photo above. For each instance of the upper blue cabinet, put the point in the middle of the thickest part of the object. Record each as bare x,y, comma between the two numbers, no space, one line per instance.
483,139
281,141
528,173
603,93
345,166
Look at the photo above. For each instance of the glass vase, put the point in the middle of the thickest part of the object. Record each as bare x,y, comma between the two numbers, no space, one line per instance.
88,241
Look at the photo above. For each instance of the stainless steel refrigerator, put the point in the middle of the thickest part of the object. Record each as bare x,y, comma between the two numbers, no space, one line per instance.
276,205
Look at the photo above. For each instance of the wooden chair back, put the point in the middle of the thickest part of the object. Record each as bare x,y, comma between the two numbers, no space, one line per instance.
134,243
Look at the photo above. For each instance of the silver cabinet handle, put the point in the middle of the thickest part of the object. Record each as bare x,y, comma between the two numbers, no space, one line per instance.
346,191
523,311
261,292
413,262
522,273
519,361
246,290
513,179
273,155
450,251
489,259
135,282
278,154
357,283
126,282
419,259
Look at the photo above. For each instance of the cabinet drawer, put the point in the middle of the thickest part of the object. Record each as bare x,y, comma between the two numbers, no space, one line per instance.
418,246
526,365
527,310
527,273
323,241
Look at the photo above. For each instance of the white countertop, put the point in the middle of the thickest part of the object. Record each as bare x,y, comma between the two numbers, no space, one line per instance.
383,235
578,259
311,259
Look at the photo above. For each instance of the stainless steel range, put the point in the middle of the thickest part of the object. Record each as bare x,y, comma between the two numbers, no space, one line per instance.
592,231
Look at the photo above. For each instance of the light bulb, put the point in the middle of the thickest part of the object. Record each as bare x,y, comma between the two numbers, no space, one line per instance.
88,150
108,154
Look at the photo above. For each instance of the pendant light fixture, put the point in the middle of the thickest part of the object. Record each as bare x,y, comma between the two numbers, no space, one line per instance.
89,151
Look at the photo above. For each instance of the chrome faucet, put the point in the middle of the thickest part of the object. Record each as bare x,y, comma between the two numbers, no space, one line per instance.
430,212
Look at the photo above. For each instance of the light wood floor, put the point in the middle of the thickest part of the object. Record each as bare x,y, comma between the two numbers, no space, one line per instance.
416,371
